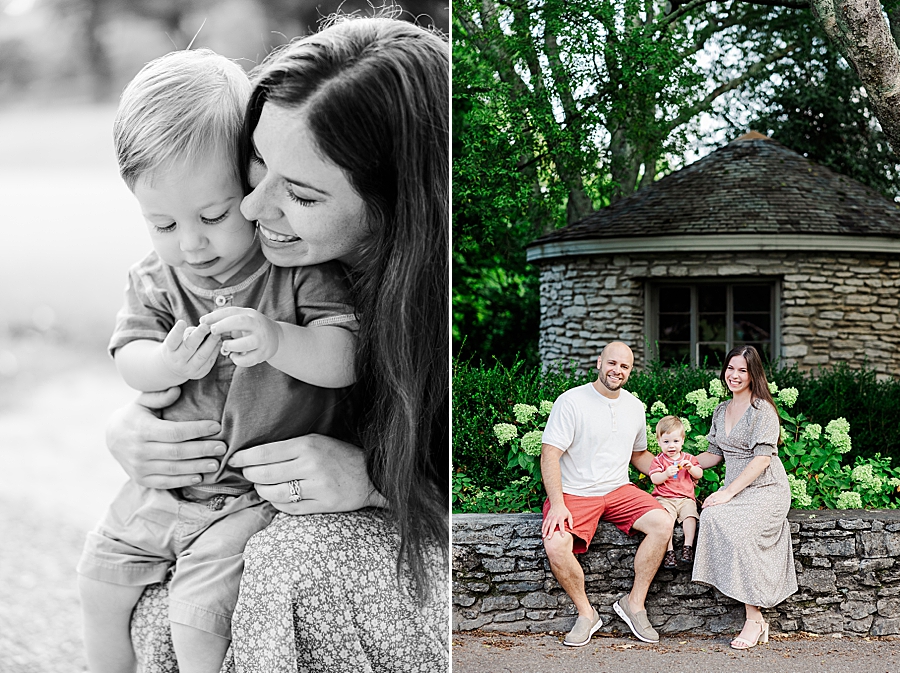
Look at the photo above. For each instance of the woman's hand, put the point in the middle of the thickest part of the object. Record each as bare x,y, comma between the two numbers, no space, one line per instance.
331,475
718,498
162,454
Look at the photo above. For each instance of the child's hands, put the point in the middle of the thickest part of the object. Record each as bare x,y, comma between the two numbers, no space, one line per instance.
187,352
259,336
671,471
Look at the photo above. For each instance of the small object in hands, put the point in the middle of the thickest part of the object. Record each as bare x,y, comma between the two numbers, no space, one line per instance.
215,503
296,496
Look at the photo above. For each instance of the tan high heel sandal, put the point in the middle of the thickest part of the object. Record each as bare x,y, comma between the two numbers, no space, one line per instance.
761,637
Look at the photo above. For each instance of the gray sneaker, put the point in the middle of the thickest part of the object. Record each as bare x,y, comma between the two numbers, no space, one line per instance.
584,628
637,621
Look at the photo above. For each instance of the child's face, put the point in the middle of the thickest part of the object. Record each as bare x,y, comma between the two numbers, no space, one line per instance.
671,442
194,217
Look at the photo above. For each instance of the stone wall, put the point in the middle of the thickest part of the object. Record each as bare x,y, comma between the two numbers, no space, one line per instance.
834,308
847,570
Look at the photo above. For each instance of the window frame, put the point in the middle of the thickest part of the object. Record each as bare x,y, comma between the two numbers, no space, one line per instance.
651,310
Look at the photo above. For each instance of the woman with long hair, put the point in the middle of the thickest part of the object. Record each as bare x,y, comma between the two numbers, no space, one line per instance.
347,155
744,542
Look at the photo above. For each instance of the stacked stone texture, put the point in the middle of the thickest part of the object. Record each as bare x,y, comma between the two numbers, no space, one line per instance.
848,571
834,307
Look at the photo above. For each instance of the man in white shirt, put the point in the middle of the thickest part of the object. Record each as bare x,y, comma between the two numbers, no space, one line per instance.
592,434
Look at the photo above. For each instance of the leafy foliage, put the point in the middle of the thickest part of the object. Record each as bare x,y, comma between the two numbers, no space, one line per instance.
561,107
496,470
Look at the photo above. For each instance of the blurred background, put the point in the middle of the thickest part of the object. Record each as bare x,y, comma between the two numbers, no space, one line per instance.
69,231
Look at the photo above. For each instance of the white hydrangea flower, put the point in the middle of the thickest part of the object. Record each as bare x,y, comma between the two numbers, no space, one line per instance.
696,396
524,412
706,407
717,389
659,409
545,408
865,476
773,387
701,443
812,431
837,433
504,432
799,496
687,425
788,396
531,443
652,443
849,500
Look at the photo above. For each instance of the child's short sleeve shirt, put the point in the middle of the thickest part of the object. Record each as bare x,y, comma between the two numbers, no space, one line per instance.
259,404
682,485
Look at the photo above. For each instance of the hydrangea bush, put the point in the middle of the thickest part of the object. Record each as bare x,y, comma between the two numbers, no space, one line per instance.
523,437
811,456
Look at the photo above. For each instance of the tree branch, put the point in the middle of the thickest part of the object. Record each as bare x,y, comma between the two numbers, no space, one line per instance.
689,113
862,35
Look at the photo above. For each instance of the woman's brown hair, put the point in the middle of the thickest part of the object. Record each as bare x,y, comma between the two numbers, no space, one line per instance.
759,384
375,92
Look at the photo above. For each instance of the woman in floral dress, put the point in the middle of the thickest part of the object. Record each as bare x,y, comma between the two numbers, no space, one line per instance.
744,542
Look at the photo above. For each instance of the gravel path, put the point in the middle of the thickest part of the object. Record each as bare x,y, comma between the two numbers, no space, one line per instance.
481,652
59,479
40,620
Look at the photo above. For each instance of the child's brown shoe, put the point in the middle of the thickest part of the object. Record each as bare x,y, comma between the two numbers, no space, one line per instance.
687,554
669,560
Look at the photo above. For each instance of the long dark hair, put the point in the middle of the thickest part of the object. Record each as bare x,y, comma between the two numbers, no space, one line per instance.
375,92
759,384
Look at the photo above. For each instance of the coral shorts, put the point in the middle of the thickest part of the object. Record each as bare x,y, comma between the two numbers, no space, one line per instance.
621,507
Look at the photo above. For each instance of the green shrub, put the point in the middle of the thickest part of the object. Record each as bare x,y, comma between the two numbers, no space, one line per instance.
484,396
501,472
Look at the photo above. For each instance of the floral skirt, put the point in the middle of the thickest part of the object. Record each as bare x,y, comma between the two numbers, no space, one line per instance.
320,593
744,548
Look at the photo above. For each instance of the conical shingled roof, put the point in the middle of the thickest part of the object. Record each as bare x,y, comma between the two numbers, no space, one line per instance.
752,185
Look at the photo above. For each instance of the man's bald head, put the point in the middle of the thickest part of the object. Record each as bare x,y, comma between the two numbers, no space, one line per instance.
618,349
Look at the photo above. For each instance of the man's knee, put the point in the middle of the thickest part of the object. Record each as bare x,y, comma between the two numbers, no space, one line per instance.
559,546
656,523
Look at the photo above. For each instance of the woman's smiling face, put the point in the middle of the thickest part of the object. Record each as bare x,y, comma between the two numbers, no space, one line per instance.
737,378
303,203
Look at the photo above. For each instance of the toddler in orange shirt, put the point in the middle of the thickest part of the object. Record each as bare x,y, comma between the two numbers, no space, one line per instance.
675,475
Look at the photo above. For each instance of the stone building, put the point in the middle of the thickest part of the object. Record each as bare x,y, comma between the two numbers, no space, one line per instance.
751,244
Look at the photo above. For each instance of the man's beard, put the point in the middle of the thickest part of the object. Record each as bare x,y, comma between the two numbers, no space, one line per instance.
604,379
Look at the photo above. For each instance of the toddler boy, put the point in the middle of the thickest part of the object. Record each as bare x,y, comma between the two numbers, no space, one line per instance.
265,350
675,474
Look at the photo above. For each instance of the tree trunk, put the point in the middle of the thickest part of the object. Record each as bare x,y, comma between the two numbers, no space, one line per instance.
860,31
624,165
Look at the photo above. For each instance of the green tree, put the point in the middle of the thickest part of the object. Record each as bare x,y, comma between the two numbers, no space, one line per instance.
564,107
818,107
561,108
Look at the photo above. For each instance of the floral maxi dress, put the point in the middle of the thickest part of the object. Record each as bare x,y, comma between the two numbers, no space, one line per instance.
744,546
320,594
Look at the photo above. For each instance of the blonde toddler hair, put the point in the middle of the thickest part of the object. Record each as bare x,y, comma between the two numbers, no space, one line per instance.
180,106
669,424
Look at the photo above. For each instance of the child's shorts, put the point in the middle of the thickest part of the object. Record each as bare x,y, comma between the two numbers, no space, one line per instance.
148,531
622,507
680,508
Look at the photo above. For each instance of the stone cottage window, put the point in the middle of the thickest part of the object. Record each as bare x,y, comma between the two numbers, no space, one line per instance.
702,320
